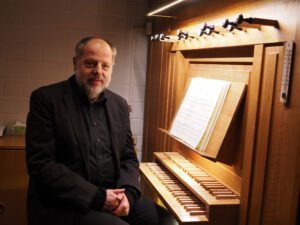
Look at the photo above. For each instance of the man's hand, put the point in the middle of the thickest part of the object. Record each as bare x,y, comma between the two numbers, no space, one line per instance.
123,207
113,199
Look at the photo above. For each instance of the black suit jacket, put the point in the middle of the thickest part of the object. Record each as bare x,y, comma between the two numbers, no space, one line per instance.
57,153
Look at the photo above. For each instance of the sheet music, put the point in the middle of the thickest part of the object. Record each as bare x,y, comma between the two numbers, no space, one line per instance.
197,109
212,122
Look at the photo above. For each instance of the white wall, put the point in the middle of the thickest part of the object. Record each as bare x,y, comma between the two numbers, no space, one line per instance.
37,42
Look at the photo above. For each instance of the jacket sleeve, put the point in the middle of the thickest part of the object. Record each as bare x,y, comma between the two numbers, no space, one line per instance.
52,180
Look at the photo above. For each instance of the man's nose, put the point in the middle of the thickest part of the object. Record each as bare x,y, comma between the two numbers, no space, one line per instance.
97,69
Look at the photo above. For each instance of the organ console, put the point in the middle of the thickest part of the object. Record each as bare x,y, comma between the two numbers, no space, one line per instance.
256,170
191,193
195,188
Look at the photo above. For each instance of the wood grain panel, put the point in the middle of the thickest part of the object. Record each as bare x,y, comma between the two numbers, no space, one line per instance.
152,111
250,127
264,118
13,181
281,184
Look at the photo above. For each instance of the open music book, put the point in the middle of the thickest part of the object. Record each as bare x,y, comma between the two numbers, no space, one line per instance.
199,111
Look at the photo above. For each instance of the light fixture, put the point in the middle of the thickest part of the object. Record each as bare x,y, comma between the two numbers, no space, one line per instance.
162,8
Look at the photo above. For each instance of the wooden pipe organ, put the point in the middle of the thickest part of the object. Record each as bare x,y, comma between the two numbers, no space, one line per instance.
200,189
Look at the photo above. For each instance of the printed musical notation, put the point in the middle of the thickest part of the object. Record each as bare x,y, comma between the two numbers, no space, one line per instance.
199,111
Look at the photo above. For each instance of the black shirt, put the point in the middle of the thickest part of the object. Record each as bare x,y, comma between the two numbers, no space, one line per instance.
101,166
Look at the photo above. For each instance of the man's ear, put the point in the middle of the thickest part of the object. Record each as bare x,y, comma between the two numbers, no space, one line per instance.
74,62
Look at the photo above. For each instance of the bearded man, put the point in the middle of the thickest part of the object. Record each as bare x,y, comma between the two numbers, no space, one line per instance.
81,162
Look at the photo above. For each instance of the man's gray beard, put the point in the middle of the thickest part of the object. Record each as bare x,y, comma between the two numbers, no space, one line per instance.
88,89
92,93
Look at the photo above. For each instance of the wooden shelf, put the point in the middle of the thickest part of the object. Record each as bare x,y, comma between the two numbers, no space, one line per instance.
12,142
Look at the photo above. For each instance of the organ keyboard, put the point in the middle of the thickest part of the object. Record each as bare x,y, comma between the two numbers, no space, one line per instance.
191,194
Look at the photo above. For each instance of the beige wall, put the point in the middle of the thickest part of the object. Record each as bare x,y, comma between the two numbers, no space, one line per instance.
36,48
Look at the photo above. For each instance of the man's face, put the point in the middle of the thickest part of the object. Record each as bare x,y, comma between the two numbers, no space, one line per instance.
93,68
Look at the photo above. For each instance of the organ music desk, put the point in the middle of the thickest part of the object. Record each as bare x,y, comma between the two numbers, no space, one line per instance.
192,194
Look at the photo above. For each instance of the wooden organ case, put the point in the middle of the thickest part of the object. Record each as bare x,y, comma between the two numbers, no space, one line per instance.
200,189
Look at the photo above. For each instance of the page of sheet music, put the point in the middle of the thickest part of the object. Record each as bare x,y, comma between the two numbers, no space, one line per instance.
196,110
212,122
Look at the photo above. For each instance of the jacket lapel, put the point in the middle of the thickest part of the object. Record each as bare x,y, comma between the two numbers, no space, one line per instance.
74,111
